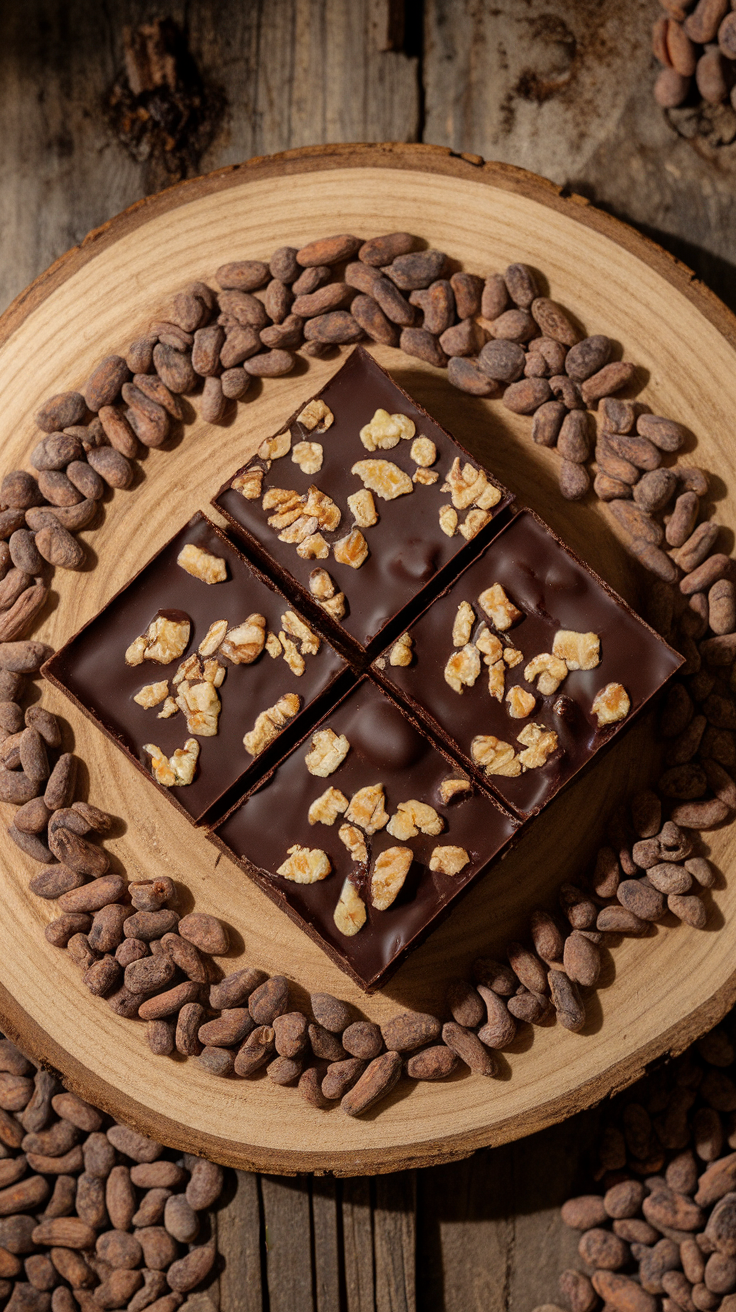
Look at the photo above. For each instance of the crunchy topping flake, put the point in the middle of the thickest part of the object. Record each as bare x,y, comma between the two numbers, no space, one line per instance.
335,606
275,447
280,498
579,651
354,842
367,808
151,694
273,646
452,788
425,476
163,642
350,913
212,638
321,585
463,668
177,770
244,644
363,508
521,703
168,709
202,564
448,521
489,644
250,483
549,669
385,431
305,865
497,680
201,705
423,452
309,643
402,651
328,751
512,656
463,624
313,548
469,486
214,672
191,668
539,743
269,723
326,808
389,872
448,860
411,817
495,756
383,478
611,704
292,656
316,415
351,550
324,509
474,521
308,456
300,528
499,609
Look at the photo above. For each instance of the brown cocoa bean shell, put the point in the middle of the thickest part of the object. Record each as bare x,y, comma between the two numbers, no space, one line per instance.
608,380
291,1033
118,432
79,854
363,1039
526,396
55,452
554,322
57,488
50,884
382,250
244,275
255,1051
207,933
586,357
644,901
205,1185
105,382
467,377
228,1029
61,411
494,297
18,619
465,1004
416,269
410,1030
373,321
584,1212
112,466
325,1046
581,959
270,364
170,1002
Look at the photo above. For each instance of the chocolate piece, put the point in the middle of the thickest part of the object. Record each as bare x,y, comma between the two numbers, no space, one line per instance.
92,671
407,547
386,748
554,590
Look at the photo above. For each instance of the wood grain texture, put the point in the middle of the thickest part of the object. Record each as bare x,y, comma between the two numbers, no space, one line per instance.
496,214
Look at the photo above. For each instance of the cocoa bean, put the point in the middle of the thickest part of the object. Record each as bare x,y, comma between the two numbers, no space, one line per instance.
154,390
327,250
676,1211
410,1030
60,411
15,1092
229,1028
566,999
54,452
494,297
12,1059
174,367
683,519
312,278
715,568
111,465
689,909
375,1083
727,37
188,1025
59,931
170,1002
722,606
654,560
500,1027
16,788
468,290
582,959
700,815
235,383
668,878
619,920
152,1206
526,396
57,488
465,1004
241,342
712,76
334,296
269,1000
503,361
423,345
364,1039
161,1036
186,957
465,375
587,357
514,326
56,1141
701,870
191,1270
697,547
577,1291
31,844
235,989
24,1195
246,275
625,1199
494,975
434,1063
291,1033
13,586
325,1046
151,925
64,1232
530,1007
206,933
415,269
585,1212
604,1250
554,322
102,976
373,321
205,1185
284,1070
24,551
637,522
257,1049
119,434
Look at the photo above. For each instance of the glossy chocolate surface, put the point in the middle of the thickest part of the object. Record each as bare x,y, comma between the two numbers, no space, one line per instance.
91,667
554,590
407,545
384,748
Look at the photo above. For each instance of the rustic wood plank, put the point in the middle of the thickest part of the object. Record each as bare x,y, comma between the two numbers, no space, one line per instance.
465,1233
394,1241
326,1243
358,1256
241,1243
288,1243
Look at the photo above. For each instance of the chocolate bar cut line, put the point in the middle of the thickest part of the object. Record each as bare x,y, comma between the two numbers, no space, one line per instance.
388,749
91,668
554,591
409,552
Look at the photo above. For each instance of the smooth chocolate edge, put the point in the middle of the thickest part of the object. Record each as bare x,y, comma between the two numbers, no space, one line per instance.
264,879
258,766
346,645
435,730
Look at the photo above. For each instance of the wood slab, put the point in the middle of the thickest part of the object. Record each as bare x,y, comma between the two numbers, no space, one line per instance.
657,994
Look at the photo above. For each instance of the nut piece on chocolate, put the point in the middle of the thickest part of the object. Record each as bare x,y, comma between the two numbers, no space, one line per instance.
316,415
462,628
367,808
448,521
176,770
495,756
500,610
269,723
427,477
389,872
469,486
452,788
202,564
579,651
611,704
363,508
385,431
383,477
411,817
249,484
463,668
201,706
448,860
305,865
244,644
521,703
213,638
539,743
326,808
308,456
151,694
164,641
309,643
350,912
275,447
423,452
354,842
550,671
402,651
328,752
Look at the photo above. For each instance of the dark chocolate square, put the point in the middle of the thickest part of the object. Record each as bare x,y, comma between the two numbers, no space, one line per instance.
385,748
91,668
408,549
554,590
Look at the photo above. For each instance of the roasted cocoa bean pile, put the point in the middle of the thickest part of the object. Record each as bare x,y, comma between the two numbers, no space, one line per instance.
658,1229
93,1215
695,44
498,336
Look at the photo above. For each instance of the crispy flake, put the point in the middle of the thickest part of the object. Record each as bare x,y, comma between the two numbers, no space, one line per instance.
308,456
521,703
469,486
497,680
579,651
389,873
328,751
425,476
151,694
309,643
275,447
452,788
303,527
244,644
423,452
448,521
350,913
402,651
201,706
351,550
354,842
323,508
463,668
326,808
363,508
385,431
413,817
539,743
305,865
269,723
499,609
489,644
463,624
249,484
168,709
474,521
177,770
496,756
292,656
273,646
321,585
335,606
549,670
163,642
383,478
448,860
316,414
212,638
611,704
367,808
313,548
202,564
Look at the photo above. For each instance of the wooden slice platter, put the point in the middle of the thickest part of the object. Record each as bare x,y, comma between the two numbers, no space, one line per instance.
657,994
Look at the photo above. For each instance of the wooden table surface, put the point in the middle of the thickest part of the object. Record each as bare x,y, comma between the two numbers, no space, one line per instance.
562,87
